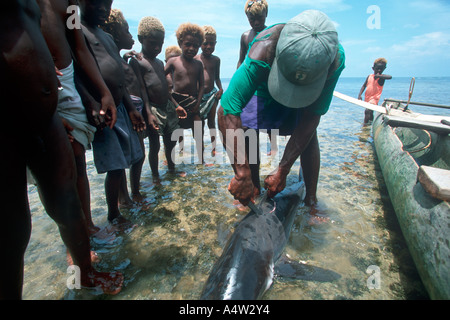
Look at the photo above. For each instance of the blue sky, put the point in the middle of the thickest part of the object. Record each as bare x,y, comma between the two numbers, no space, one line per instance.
414,36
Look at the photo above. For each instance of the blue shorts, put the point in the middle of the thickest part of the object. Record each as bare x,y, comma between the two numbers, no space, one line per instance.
264,113
119,147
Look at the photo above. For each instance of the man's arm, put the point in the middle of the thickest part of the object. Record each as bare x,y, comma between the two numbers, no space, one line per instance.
241,186
298,142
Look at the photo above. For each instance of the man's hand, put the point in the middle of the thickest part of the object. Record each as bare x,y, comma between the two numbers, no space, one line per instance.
275,182
243,189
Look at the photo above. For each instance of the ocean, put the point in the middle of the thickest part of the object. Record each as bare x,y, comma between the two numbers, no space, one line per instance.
185,222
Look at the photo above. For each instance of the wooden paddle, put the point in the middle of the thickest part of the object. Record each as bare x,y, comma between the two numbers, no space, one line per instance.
358,102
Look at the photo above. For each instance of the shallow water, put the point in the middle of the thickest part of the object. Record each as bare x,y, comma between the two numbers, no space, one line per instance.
184,225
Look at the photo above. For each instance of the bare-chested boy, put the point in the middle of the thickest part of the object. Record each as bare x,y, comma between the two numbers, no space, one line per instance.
256,12
158,106
34,136
187,79
211,95
118,148
63,41
118,28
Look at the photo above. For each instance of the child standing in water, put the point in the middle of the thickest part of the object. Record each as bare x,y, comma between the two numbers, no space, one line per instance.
374,86
118,27
162,114
212,95
256,12
188,80
118,148
62,43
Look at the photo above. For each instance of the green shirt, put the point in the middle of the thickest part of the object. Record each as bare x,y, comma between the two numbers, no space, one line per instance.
253,76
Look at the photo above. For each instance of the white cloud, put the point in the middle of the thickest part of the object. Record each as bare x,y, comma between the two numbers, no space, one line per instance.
429,44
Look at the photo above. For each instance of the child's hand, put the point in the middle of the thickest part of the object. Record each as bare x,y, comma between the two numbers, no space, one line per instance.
219,94
137,120
134,54
182,114
108,112
152,121
94,116
68,128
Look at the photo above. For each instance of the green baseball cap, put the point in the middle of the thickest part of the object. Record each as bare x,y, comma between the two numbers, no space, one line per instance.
307,47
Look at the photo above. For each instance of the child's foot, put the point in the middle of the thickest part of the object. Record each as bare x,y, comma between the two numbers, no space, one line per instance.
103,236
121,224
109,282
126,204
176,172
92,229
137,197
156,180
94,258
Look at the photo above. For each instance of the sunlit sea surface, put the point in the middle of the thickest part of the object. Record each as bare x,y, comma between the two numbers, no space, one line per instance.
184,224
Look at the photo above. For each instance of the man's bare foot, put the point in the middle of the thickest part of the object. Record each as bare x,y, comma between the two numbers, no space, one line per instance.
316,217
109,282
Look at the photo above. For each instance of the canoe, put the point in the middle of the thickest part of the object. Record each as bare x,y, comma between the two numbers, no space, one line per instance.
414,154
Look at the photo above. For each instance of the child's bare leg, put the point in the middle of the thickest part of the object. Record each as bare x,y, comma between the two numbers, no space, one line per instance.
112,184
124,197
153,155
169,145
83,185
368,116
55,173
212,126
135,176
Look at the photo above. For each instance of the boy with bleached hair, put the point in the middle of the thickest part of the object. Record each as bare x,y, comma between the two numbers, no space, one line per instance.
150,73
256,12
188,79
374,86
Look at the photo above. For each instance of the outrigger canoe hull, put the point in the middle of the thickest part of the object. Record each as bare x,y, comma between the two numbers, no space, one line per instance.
424,220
